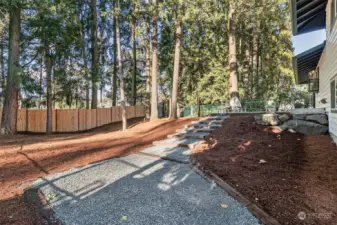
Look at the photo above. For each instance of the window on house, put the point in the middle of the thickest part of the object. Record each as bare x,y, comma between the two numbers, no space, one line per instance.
333,93
314,80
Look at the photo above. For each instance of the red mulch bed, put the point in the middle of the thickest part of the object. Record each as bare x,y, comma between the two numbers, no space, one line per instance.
25,158
300,173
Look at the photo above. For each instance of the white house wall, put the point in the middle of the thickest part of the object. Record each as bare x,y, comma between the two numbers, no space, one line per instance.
328,71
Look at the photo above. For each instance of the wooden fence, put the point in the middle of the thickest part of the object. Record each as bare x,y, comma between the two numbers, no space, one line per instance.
72,120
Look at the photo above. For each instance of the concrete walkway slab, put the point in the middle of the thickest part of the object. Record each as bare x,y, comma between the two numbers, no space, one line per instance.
139,190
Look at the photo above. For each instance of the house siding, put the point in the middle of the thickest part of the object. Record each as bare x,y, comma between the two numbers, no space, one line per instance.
328,71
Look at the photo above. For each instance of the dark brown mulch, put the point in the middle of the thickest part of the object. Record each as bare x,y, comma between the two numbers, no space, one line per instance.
300,173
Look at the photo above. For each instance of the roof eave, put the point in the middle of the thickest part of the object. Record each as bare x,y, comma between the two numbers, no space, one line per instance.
309,16
293,16
319,48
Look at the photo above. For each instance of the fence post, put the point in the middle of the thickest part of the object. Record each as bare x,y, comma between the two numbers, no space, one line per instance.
111,115
26,129
78,120
55,121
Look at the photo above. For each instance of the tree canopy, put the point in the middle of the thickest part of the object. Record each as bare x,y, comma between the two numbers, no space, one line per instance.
78,40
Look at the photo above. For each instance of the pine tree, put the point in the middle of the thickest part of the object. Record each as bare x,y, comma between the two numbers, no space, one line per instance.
120,68
114,76
176,66
94,54
10,109
154,94
134,55
233,80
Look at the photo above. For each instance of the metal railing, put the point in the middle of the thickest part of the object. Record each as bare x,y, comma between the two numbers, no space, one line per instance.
247,106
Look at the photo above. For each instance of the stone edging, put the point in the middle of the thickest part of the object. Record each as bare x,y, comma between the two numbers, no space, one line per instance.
264,217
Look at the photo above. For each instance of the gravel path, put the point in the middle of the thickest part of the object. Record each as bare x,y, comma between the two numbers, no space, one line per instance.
140,189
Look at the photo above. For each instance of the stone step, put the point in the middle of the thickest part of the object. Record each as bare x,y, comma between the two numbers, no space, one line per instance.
198,135
180,154
177,142
219,114
210,121
214,118
203,126
195,129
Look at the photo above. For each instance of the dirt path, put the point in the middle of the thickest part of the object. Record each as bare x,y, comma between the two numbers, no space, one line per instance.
299,174
24,158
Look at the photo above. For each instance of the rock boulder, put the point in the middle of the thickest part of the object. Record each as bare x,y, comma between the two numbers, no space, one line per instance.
270,119
308,111
318,118
306,127
299,116
283,118
258,120
279,129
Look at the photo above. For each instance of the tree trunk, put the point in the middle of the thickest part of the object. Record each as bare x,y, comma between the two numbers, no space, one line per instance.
120,71
84,56
255,67
2,65
102,75
94,53
102,53
176,71
257,84
233,80
134,53
154,97
49,65
251,68
114,76
148,62
246,76
41,84
198,105
10,109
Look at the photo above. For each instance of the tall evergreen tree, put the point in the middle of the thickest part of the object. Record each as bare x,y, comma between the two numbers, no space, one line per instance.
134,54
114,76
233,80
10,109
154,93
49,66
94,54
120,68
178,37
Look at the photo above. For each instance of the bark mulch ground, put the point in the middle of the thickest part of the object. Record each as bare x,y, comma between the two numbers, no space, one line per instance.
24,158
299,173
